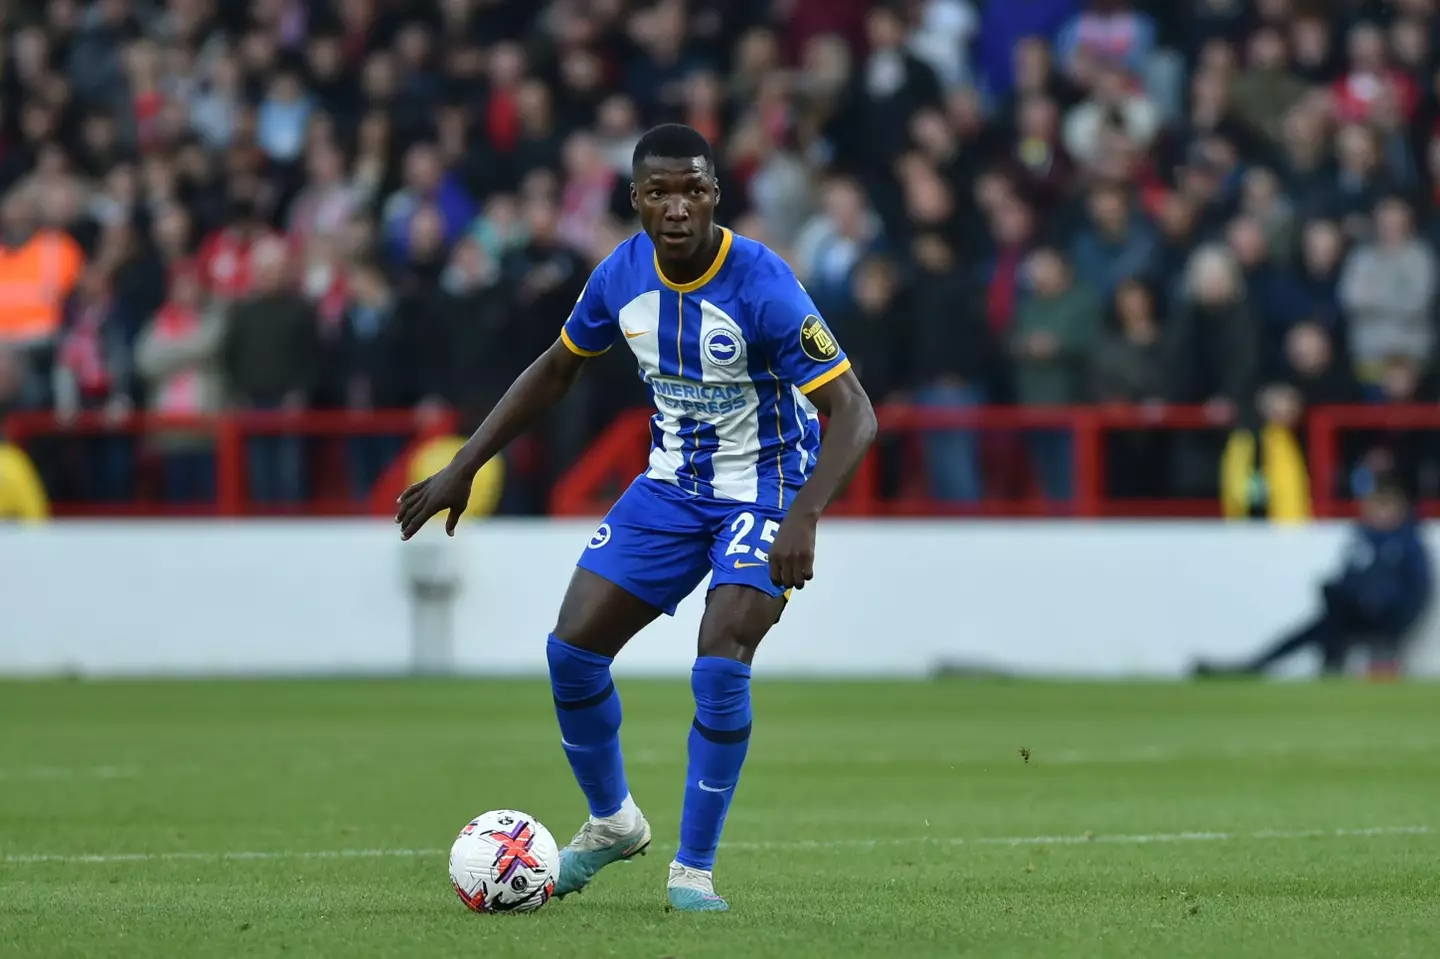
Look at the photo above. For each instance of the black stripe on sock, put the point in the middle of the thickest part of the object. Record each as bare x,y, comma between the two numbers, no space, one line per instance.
588,701
724,737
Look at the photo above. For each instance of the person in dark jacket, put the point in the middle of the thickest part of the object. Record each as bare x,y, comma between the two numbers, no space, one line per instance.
1378,596
270,358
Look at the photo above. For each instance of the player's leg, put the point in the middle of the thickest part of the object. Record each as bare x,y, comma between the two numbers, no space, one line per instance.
639,563
597,618
742,606
736,619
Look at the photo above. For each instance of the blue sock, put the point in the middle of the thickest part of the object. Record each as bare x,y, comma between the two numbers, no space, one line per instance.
589,711
719,739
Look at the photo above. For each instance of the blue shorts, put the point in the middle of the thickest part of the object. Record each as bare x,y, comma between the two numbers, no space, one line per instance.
659,541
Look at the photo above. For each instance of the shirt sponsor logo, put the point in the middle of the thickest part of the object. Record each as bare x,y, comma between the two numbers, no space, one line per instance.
681,398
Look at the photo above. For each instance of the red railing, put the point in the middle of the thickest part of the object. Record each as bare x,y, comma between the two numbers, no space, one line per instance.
1326,426
229,434
589,488
620,453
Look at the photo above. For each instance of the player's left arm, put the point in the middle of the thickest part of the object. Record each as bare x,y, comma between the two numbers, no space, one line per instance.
809,356
849,433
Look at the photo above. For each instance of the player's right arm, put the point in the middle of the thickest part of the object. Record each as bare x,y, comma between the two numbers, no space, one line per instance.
588,332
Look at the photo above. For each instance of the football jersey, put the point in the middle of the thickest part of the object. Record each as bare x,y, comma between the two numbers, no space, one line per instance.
727,359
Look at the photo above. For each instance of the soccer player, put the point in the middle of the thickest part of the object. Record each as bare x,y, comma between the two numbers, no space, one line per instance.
738,361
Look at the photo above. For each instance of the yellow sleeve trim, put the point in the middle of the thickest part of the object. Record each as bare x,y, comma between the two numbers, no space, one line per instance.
570,345
827,376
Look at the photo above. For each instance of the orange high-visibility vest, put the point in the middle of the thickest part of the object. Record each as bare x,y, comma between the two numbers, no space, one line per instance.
35,279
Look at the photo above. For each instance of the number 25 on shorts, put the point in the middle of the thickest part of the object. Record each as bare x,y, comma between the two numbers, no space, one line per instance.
742,527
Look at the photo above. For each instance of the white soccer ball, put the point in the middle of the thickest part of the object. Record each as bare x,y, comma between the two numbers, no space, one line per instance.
504,861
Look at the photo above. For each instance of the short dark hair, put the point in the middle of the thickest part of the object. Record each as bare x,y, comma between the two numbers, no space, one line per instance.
672,141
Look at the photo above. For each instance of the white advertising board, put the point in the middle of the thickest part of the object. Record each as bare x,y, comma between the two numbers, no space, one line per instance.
894,598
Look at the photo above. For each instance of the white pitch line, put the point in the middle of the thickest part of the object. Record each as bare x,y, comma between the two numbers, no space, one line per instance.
1138,839
181,856
46,773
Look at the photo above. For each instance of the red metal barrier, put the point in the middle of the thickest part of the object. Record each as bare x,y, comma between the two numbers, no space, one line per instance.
1327,424
619,455
229,432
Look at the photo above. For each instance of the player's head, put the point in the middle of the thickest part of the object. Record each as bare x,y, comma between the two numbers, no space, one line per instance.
674,189
1386,505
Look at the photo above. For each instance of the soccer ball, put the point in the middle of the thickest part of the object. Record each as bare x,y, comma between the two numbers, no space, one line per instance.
504,861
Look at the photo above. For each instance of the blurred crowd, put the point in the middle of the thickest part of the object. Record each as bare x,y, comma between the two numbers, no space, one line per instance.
392,204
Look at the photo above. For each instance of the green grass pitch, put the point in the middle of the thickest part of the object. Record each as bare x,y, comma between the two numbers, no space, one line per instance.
313,819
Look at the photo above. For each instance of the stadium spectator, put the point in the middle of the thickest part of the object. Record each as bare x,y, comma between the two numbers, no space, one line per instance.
385,362
427,184
1361,181
1128,368
1041,166
226,266
952,364
1003,28
1322,253
1371,84
1057,327
888,86
1128,365
1108,35
1387,291
1267,90
269,356
837,238
1117,244
1275,293
39,269
327,199
93,372
1262,201
875,351
176,357
482,317
1213,355
1115,110
940,35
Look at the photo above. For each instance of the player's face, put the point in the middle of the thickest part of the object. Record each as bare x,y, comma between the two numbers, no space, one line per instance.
676,202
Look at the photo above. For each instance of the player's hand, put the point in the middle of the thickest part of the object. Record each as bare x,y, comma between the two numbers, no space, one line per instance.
448,489
792,556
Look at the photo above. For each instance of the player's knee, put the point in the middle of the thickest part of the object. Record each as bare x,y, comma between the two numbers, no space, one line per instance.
721,687
558,655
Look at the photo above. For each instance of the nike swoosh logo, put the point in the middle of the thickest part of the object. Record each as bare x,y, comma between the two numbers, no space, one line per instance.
712,789
631,336
740,565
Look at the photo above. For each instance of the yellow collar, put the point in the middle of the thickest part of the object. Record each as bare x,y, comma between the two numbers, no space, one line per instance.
726,237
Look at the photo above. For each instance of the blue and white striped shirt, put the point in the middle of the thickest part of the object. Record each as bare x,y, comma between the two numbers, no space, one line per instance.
728,360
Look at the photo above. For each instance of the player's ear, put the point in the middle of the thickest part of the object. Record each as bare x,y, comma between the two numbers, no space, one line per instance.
634,198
